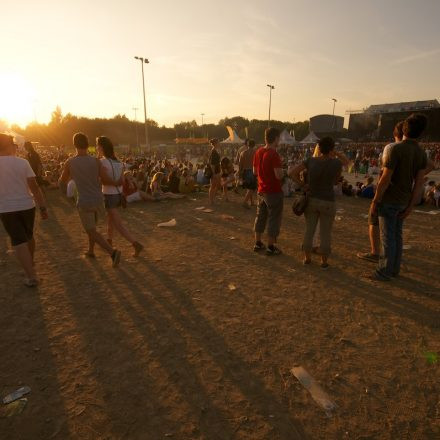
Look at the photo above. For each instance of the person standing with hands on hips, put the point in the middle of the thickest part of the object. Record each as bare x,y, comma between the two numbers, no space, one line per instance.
268,169
18,193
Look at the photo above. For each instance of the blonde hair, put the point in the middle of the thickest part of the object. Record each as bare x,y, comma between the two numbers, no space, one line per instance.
156,177
317,151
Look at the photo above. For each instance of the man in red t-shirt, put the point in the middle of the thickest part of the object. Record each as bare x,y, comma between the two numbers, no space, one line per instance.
269,172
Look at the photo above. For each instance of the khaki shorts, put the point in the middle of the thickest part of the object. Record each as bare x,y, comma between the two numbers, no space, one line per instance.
90,216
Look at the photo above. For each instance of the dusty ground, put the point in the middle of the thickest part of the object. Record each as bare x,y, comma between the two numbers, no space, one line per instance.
162,348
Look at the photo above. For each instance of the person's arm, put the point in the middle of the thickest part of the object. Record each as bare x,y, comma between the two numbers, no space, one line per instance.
415,195
105,178
342,157
295,173
279,173
382,186
65,175
38,196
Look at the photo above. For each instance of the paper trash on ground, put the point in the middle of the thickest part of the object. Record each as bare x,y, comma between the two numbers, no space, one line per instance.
208,210
17,394
169,224
315,390
232,286
200,208
427,212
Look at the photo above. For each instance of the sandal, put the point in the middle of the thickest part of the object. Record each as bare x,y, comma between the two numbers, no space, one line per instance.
368,256
137,248
30,282
307,261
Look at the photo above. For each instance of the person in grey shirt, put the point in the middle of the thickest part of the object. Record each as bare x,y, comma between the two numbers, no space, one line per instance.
322,173
87,173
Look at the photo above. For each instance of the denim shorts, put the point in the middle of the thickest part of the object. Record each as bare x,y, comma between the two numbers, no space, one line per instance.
112,201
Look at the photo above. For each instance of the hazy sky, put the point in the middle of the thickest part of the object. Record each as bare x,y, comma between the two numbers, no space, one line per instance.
215,57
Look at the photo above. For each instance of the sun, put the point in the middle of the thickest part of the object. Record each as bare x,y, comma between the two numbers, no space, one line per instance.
17,99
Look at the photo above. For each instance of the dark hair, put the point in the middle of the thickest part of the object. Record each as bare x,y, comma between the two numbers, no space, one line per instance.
107,147
5,141
213,141
246,141
398,130
326,144
251,143
414,125
271,134
28,146
80,141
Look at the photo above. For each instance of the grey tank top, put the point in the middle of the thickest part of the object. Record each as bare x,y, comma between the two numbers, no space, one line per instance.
84,170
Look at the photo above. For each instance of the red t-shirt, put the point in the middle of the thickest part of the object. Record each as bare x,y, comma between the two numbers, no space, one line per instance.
265,161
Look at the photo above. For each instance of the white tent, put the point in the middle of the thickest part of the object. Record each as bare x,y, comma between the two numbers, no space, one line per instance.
311,138
233,138
287,139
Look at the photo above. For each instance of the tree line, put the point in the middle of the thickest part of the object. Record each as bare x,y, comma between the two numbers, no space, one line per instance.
124,131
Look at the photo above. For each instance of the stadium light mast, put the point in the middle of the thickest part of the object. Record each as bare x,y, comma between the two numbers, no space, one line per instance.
334,104
136,127
271,87
144,60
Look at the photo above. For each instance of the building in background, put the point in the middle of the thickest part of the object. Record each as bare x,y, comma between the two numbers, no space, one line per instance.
326,124
376,122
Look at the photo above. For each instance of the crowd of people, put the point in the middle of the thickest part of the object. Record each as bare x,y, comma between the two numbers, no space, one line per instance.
394,178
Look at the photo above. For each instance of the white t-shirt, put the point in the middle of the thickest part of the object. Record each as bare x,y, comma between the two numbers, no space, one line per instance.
14,189
114,173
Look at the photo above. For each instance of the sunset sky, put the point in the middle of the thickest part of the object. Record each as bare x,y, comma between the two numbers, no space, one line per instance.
215,57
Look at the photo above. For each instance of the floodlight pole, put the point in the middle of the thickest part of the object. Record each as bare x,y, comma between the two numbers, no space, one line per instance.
136,127
334,105
147,142
271,87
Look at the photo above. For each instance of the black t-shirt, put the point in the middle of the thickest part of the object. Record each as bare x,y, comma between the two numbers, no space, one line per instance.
214,161
35,162
321,177
406,159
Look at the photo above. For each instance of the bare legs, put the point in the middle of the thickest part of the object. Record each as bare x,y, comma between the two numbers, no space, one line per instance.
373,232
215,183
249,197
24,256
114,222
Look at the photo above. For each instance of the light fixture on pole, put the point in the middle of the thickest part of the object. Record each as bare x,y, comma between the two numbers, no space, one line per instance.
271,87
202,115
334,104
147,142
136,126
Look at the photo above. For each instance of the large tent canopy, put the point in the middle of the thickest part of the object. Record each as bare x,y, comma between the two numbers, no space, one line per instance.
287,139
311,138
233,138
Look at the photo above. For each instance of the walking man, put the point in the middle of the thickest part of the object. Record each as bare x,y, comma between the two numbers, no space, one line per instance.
87,173
268,169
18,193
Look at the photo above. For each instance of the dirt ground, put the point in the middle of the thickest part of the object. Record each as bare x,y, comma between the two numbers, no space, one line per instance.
163,347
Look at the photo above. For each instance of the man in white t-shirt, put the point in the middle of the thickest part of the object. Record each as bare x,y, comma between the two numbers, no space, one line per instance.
18,193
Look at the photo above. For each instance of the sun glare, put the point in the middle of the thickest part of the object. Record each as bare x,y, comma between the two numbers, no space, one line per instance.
17,100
